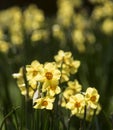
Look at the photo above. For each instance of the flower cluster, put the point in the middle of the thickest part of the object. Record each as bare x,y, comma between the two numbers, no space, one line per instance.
81,102
42,82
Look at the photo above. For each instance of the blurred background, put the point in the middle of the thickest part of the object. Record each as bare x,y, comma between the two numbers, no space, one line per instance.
37,29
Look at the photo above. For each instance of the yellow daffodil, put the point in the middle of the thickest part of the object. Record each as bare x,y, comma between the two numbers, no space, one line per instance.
75,86
44,102
50,72
74,65
68,93
34,71
65,62
76,104
51,87
65,73
91,97
63,57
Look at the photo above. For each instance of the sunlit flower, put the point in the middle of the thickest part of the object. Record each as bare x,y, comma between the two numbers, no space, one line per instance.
91,97
74,65
65,73
73,88
76,104
34,71
51,87
51,72
44,102
63,57
68,93
67,64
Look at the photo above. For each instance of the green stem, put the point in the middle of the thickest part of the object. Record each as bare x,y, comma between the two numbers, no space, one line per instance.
16,120
90,125
83,122
28,102
55,117
14,109
28,114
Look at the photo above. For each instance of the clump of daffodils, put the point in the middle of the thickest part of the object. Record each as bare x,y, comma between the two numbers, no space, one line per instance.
44,82
81,102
